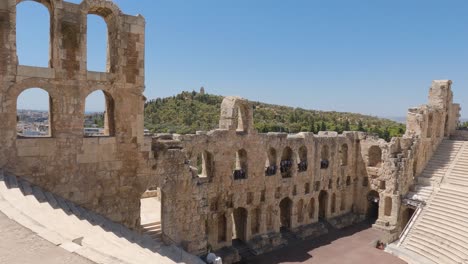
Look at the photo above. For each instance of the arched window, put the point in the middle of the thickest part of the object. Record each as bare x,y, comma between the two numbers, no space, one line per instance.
33,113
344,155
375,156
325,156
97,44
302,165
33,34
270,164
300,214
311,208
222,228
333,203
388,206
270,224
241,119
348,181
240,165
343,201
205,164
286,163
255,221
99,114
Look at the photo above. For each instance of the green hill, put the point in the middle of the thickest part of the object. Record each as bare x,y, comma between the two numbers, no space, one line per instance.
188,112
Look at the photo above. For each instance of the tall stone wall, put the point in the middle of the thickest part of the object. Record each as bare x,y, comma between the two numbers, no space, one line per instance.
102,173
205,191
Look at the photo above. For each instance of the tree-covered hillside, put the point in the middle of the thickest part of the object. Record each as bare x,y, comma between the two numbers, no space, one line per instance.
191,111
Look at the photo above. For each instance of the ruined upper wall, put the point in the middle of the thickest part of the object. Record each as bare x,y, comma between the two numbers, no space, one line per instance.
68,47
438,118
103,174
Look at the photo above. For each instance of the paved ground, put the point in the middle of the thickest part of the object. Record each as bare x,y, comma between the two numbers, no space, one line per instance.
18,245
352,245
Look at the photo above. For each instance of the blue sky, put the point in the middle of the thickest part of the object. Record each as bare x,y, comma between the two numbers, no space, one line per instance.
367,56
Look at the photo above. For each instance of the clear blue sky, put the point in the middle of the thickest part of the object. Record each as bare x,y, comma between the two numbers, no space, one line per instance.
367,56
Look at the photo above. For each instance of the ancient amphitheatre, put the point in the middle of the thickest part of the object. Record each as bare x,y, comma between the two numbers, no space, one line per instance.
256,193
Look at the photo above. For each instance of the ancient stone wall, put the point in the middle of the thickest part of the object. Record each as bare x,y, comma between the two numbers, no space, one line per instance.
236,173
99,173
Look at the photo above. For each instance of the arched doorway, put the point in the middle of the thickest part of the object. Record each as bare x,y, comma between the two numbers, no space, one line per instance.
323,204
373,199
407,215
239,221
285,212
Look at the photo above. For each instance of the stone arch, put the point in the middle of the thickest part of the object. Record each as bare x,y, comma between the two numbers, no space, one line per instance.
222,228
324,157
348,180
270,223
343,201
299,211
108,116
39,127
375,156
205,164
333,203
302,157
270,164
255,221
344,155
239,217
236,114
373,200
388,206
14,91
110,12
286,162
241,165
48,5
311,208
285,212
323,204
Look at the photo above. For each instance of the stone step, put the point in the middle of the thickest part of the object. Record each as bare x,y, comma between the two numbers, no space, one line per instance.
437,221
442,254
423,251
99,234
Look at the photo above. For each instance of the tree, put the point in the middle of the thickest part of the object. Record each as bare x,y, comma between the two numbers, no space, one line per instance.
323,126
360,126
346,126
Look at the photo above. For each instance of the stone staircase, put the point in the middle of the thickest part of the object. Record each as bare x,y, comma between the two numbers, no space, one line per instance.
435,170
440,233
80,231
153,230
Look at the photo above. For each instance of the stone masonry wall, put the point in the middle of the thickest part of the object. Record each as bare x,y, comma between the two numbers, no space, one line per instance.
103,174
204,194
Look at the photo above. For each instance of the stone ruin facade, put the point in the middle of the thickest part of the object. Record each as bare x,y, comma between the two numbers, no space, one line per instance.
101,173
232,182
